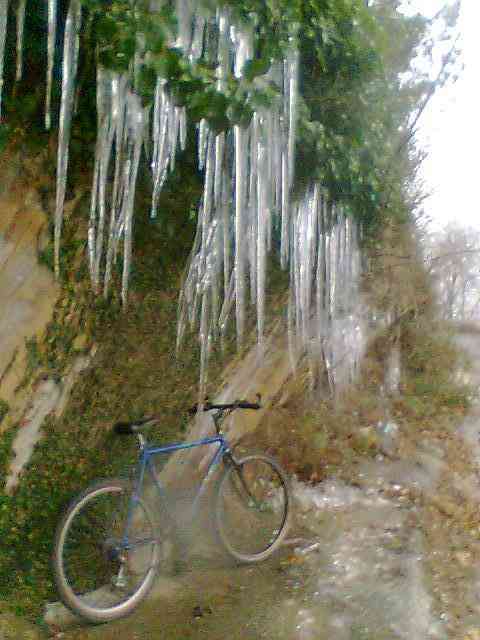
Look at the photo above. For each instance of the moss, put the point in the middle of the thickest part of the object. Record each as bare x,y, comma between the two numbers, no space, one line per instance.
4,409
5,133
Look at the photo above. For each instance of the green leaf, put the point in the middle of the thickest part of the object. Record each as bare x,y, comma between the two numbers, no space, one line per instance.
253,68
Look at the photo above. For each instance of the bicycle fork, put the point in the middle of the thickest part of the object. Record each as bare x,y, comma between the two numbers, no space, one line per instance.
230,460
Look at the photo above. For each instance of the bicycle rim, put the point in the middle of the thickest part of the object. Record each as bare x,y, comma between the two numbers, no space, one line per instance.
101,572
252,510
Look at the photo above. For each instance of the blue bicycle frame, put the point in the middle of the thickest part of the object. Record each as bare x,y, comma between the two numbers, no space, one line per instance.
145,463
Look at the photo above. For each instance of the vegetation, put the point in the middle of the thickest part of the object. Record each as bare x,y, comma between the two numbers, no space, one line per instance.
352,107
452,258
318,438
359,101
131,378
4,408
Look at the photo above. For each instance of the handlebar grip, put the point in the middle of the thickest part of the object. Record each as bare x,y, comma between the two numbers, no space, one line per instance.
193,410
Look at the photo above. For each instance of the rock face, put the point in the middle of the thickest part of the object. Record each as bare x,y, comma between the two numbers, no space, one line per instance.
48,397
27,289
28,293
44,402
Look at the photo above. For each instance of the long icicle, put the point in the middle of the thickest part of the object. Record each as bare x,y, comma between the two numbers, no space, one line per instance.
3,35
103,151
136,116
69,69
52,34
118,107
20,29
243,53
262,214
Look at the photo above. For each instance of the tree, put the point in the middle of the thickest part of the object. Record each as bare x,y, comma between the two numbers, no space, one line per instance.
454,262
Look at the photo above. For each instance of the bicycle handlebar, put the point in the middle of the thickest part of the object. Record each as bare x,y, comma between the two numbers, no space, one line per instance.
238,404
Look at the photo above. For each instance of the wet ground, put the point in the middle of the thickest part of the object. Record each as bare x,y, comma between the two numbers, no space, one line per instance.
355,573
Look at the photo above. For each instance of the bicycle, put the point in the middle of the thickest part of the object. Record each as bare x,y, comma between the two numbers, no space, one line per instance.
108,545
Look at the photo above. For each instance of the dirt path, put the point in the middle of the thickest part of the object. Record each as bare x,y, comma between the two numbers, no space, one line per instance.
209,603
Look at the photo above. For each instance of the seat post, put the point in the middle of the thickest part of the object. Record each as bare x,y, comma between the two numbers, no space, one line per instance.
141,441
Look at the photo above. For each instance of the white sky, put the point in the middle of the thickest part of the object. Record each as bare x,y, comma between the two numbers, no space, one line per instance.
450,129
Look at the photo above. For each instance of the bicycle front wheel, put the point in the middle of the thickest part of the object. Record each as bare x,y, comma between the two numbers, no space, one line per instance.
105,552
253,508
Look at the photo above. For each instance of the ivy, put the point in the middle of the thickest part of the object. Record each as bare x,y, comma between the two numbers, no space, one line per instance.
352,55
346,68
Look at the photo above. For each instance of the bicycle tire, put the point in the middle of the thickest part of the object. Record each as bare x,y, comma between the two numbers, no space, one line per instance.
253,508
85,539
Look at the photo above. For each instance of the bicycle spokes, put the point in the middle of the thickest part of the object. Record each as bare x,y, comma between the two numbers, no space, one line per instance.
99,555
252,507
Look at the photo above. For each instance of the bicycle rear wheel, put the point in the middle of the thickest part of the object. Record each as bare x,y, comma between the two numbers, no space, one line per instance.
253,508
102,568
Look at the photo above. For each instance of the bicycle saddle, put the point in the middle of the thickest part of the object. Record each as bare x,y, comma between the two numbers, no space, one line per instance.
131,428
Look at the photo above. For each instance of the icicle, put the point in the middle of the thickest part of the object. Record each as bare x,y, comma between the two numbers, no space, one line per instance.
197,40
219,170
184,22
69,70
252,218
243,53
241,142
103,153
222,70
228,301
101,73
3,35
223,54
52,32
214,273
291,333
292,78
275,144
320,278
204,347
182,125
285,239
225,212
118,106
202,143
136,123
208,189
161,112
187,292
262,222
173,130
20,28
93,210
